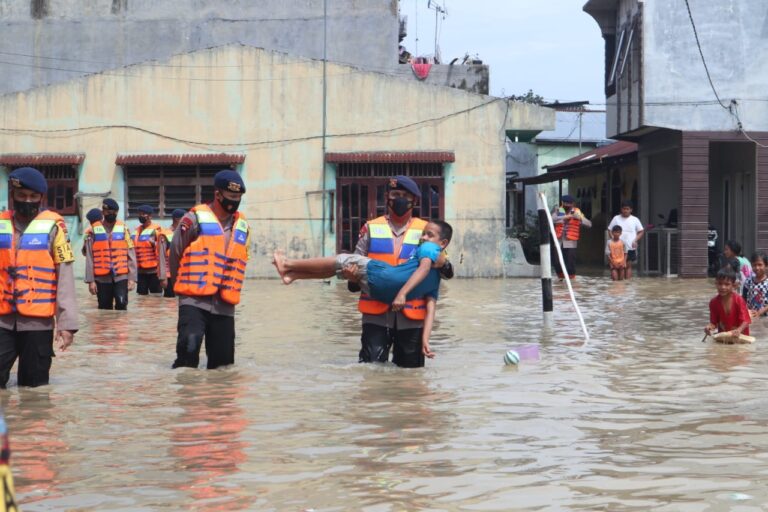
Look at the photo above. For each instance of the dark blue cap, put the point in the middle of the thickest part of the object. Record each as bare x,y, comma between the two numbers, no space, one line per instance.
178,213
29,178
568,199
145,208
110,204
230,181
404,183
94,215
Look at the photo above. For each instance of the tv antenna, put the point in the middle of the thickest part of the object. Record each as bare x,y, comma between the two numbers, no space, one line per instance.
439,9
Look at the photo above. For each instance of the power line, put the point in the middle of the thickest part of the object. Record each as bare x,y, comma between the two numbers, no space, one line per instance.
703,60
62,131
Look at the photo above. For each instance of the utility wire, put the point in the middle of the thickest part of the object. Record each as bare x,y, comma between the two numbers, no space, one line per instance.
703,60
18,131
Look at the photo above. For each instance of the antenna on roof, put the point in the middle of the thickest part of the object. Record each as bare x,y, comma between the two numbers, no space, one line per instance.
439,9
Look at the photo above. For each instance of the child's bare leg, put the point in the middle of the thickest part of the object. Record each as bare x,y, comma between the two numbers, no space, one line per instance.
614,274
311,268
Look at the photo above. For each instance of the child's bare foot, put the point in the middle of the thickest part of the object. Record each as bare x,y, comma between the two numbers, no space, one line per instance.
278,260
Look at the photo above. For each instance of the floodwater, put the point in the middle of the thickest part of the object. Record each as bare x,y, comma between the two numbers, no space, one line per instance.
644,417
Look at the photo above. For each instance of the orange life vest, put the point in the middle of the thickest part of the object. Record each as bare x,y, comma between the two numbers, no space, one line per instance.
382,247
110,250
146,246
572,226
208,267
28,280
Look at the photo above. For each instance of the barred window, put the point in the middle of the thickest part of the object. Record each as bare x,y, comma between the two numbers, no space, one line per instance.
167,187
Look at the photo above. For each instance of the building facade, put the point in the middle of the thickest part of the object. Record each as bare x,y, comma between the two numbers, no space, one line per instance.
700,123
156,134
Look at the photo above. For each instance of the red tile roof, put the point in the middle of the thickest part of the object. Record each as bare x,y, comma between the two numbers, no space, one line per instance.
32,159
596,155
390,157
180,159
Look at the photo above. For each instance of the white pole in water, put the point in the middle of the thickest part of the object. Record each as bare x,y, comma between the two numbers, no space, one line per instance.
551,223
545,260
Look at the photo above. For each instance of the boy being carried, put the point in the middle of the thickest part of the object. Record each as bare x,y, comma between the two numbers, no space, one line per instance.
616,249
391,284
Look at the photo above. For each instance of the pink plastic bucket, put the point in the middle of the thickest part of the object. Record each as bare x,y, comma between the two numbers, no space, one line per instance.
528,352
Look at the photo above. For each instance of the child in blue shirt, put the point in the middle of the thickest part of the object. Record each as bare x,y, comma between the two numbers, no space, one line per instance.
416,278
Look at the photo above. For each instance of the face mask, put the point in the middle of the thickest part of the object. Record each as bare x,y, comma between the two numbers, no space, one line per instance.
143,219
112,217
400,205
229,205
25,209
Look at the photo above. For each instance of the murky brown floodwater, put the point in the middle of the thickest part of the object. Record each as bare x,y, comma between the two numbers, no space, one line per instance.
645,417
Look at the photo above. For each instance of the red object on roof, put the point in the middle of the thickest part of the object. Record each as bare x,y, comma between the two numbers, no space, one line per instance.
32,159
596,155
182,159
421,69
390,157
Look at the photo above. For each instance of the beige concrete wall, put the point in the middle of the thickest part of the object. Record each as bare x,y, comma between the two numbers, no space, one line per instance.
269,106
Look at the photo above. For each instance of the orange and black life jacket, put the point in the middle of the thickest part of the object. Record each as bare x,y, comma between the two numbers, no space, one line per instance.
207,266
28,279
382,247
146,246
110,250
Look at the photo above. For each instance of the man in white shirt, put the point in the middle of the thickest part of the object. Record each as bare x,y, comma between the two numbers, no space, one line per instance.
631,232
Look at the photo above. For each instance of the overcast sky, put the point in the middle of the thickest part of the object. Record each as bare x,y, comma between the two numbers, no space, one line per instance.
550,46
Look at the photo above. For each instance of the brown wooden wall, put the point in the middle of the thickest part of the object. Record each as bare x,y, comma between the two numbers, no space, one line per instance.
694,196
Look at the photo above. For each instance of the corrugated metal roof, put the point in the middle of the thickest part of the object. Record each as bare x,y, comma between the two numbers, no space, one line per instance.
180,159
597,155
32,159
391,157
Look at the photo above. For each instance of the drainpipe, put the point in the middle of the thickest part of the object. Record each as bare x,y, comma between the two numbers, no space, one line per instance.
325,118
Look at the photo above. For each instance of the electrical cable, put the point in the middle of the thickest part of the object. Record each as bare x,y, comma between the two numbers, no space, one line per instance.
703,60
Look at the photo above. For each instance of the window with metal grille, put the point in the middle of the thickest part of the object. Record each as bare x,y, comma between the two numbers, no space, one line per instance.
62,185
362,195
168,187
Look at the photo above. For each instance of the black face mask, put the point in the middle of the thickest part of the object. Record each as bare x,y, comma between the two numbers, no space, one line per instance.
143,219
111,217
229,205
400,205
25,209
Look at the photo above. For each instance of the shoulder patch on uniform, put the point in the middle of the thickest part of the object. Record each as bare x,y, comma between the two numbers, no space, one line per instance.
364,229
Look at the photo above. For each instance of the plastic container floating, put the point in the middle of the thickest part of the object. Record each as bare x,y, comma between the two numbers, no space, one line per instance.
528,352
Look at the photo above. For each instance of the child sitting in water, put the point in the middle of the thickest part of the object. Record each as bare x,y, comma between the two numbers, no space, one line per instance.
727,310
616,250
755,291
416,278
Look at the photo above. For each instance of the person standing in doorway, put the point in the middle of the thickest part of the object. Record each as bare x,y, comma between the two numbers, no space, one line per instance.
149,247
631,232
167,235
37,282
392,238
209,251
110,260
568,222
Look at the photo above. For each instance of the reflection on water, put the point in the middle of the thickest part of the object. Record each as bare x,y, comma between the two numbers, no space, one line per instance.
644,417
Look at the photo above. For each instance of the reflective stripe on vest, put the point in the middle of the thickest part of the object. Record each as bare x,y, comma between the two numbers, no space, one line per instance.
382,247
206,266
146,251
28,273
573,226
110,250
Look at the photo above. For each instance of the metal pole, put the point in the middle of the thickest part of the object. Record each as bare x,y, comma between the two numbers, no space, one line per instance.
581,114
325,120
546,264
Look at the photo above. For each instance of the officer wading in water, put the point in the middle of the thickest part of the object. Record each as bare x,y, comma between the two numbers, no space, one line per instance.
110,260
167,235
393,238
149,246
37,282
209,252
